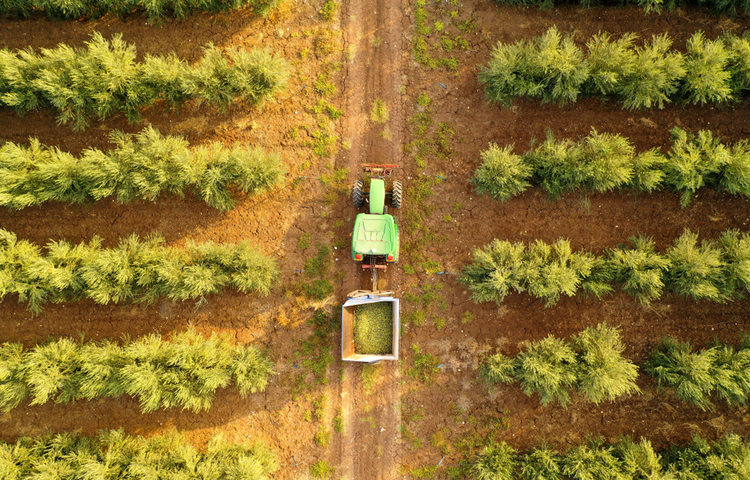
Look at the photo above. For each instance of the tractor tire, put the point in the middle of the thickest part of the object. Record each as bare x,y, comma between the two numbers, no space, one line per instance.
397,194
358,198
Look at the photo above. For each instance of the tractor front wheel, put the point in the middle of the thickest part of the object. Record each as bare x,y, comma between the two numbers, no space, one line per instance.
358,198
397,194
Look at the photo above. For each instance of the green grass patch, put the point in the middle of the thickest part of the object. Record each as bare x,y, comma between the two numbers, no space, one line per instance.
318,289
319,407
379,112
323,107
317,268
424,472
304,241
338,422
322,437
320,470
428,48
314,353
424,367
324,86
370,376
439,323
417,317
323,143
439,441
329,10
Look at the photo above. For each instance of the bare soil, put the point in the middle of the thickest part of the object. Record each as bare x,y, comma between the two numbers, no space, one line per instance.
376,63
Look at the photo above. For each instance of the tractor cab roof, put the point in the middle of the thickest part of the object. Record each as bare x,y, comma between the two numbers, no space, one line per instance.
374,235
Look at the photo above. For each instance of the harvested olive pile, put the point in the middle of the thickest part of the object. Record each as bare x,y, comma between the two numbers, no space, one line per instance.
373,328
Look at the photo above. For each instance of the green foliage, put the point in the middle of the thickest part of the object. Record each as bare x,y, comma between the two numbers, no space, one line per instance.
320,264
154,10
712,270
140,167
592,362
496,462
599,162
610,62
424,472
551,67
498,369
322,437
502,174
544,270
603,373
728,7
136,270
722,371
329,10
593,462
725,458
739,63
425,365
113,454
735,251
338,422
639,270
182,372
315,352
554,270
547,367
708,78
370,376
320,470
603,162
495,271
696,270
317,268
696,161
654,77
541,464
379,112
104,79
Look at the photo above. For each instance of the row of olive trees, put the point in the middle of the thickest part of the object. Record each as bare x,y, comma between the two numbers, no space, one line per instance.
602,162
591,362
114,455
715,270
184,371
554,69
726,458
728,7
153,9
136,270
105,78
139,167
719,371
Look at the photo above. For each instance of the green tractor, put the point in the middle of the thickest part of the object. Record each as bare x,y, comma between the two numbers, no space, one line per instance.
375,239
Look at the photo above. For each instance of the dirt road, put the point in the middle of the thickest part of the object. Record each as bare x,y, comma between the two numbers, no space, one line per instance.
373,42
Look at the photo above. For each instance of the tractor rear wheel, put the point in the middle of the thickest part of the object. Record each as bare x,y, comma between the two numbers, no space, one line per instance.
397,194
358,198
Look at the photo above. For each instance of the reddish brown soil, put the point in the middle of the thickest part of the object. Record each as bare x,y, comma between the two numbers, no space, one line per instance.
597,222
377,64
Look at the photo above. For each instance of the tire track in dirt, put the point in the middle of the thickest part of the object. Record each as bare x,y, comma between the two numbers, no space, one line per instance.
373,42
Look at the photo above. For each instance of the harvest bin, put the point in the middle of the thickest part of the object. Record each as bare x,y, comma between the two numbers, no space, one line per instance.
347,329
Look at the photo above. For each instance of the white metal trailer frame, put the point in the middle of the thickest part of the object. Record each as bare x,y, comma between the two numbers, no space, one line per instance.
347,329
